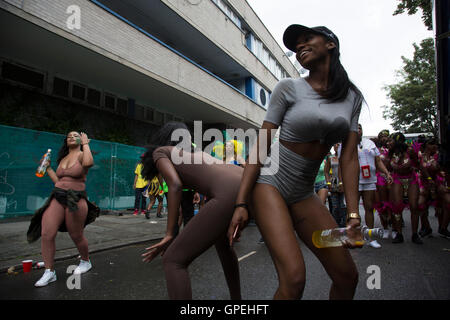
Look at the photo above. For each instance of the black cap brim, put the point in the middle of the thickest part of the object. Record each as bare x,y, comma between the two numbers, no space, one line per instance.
292,33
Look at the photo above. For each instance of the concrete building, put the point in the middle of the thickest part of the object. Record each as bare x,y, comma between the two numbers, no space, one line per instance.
146,61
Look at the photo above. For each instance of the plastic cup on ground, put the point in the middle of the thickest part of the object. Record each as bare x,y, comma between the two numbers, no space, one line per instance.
27,264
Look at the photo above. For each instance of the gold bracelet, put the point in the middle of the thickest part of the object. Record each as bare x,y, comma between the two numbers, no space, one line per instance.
353,215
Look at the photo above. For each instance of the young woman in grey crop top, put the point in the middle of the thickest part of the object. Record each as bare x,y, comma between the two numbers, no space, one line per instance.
314,113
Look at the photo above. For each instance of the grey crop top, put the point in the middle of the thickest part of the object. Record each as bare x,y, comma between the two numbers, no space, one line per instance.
305,116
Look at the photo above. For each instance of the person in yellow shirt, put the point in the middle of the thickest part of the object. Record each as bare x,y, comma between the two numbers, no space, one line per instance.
155,192
139,187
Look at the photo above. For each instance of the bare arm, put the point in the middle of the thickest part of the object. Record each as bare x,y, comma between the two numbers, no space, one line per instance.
326,170
86,158
251,173
349,165
135,180
175,186
253,167
382,168
52,174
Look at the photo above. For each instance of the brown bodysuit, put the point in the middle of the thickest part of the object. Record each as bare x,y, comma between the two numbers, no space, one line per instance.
72,178
220,183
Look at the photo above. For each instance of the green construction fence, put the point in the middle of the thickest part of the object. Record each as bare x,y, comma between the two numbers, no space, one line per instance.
109,182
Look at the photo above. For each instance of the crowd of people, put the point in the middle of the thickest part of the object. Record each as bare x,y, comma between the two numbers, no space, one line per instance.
395,174
278,190
415,180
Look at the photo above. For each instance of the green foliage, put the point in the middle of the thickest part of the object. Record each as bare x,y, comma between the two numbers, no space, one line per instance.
413,99
411,6
116,134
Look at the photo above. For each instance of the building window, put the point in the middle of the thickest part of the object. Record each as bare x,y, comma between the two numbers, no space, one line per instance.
228,12
139,112
94,97
122,107
23,75
168,118
78,92
110,102
263,54
60,87
158,117
149,115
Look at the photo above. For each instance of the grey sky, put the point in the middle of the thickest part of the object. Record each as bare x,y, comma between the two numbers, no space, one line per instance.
372,41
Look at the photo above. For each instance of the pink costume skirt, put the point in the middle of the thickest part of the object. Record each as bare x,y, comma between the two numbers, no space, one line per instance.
381,179
411,178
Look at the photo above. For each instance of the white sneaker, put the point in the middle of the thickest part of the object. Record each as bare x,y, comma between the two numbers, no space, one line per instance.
83,267
47,277
374,244
386,233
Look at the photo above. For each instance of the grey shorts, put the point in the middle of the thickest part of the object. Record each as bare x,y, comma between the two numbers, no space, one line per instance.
295,176
367,186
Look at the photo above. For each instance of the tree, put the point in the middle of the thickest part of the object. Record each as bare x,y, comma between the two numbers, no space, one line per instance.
413,99
411,6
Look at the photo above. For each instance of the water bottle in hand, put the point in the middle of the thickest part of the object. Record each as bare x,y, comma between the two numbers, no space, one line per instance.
335,237
40,171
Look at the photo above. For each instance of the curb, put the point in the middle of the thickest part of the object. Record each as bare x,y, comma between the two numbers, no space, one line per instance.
67,257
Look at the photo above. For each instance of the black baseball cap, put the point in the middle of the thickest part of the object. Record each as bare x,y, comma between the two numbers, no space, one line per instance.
292,33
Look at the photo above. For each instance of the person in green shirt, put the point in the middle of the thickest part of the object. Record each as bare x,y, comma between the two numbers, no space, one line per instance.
320,185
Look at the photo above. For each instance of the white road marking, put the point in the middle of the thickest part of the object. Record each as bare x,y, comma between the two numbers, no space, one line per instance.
247,255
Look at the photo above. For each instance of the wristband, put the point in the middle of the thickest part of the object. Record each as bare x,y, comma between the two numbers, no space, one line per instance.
329,183
353,215
243,205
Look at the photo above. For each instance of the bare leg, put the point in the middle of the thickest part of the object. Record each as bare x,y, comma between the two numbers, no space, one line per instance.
368,199
413,196
75,227
310,215
160,206
383,194
323,194
52,218
230,266
151,203
396,197
422,209
445,215
203,230
275,224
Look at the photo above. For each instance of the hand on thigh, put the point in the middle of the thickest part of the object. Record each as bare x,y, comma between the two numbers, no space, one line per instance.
310,215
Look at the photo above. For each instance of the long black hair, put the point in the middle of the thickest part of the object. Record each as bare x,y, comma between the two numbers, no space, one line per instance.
399,146
64,150
162,138
338,81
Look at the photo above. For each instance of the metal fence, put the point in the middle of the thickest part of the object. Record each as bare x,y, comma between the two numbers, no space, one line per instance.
109,182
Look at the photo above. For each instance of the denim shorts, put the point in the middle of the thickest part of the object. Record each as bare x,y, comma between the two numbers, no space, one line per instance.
319,185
